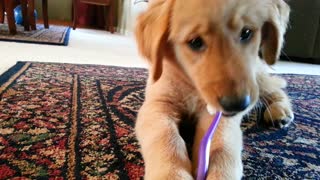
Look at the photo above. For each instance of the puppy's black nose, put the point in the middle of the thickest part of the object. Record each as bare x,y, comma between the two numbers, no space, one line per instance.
234,103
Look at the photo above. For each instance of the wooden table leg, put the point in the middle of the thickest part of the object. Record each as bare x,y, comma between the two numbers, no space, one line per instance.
9,6
31,14
45,13
111,17
75,13
24,5
1,11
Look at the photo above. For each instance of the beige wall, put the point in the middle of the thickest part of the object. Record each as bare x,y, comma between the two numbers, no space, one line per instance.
58,9
127,12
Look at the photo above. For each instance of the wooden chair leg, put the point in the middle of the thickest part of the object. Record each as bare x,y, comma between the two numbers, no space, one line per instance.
9,6
32,21
45,13
24,6
75,13
111,17
1,11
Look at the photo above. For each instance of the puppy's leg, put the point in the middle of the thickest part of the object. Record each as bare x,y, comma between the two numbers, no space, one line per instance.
225,150
278,111
163,149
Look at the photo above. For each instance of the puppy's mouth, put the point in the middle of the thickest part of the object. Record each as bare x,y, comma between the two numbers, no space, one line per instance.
212,111
229,114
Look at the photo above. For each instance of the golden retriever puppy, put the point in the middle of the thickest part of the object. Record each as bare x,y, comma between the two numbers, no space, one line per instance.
204,57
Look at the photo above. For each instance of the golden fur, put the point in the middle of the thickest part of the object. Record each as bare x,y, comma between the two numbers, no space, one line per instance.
182,81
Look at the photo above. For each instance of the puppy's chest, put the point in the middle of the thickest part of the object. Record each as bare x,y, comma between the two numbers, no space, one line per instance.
189,119
187,129
193,105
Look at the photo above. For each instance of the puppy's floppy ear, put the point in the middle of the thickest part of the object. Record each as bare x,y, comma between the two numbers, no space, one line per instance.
152,31
273,30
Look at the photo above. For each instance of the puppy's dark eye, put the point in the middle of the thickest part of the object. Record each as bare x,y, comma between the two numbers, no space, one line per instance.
197,44
246,35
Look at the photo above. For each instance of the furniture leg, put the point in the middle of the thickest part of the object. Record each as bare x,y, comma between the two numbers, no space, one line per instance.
24,5
75,14
111,16
31,14
1,11
9,6
45,13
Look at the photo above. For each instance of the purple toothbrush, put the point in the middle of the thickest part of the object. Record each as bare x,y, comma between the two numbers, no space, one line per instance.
203,161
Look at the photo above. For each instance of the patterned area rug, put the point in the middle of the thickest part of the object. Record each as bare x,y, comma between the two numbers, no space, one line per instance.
55,35
70,121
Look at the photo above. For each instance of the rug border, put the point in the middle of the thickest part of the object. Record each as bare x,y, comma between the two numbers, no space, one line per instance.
4,77
114,66
142,68
67,37
15,68
65,41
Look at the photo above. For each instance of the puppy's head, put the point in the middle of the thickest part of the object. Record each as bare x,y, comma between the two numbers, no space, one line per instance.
216,43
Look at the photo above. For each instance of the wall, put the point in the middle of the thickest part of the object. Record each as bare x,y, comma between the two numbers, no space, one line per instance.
137,8
127,11
57,9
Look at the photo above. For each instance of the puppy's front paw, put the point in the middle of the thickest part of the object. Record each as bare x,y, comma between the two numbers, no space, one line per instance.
278,114
230,172
174,173
225,164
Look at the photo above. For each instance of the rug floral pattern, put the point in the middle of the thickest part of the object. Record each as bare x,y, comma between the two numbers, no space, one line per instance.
65,121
